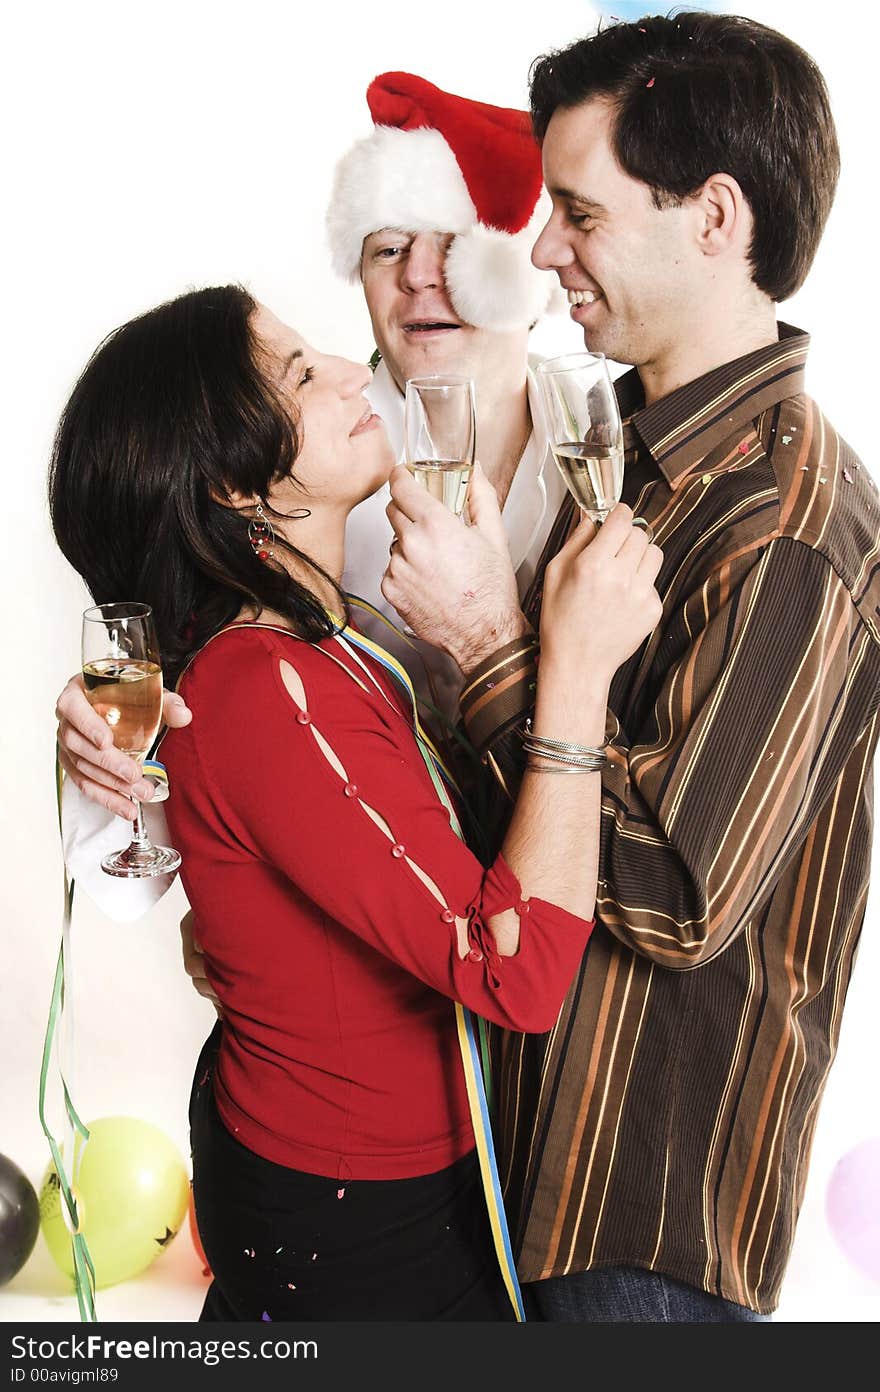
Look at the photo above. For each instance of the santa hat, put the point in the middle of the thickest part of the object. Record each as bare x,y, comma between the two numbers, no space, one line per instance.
440,163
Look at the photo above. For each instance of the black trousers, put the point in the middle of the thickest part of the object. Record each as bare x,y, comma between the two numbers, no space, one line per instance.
285,1245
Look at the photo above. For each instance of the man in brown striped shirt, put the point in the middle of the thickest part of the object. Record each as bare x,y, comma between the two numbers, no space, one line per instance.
654,1145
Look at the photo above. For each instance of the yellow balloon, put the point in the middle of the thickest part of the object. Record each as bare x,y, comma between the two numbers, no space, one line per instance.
132,1193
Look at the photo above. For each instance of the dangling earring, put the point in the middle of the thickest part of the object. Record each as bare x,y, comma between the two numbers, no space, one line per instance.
261,535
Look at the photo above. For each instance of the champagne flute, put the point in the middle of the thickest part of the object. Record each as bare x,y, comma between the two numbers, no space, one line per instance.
122,675
440,429
585,429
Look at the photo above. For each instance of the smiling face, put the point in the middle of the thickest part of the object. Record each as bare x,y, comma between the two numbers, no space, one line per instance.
344,453
415,326
633,272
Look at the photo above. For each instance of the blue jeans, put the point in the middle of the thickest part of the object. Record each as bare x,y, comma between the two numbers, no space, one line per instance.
628,1295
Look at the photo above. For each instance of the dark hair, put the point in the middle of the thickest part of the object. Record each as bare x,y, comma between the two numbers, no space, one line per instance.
172,413
700,94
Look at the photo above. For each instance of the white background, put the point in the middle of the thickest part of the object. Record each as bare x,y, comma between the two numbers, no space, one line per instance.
153,148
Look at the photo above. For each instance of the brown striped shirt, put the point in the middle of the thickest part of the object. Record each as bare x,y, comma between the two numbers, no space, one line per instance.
666,1121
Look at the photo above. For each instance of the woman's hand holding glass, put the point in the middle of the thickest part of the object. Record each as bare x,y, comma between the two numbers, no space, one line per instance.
599,600
89,758
122,682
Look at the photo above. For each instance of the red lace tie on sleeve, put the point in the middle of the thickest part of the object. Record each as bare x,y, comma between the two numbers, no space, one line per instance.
499,891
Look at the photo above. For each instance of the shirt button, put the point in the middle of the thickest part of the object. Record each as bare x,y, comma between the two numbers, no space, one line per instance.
304,718
524,906
448,916
397,851
475,955
351,790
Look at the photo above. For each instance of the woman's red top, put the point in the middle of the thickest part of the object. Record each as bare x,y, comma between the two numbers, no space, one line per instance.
335,964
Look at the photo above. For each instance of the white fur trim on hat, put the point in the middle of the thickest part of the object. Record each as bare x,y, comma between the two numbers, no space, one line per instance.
490,277
409,180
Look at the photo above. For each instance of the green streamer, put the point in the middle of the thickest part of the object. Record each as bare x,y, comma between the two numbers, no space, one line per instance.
84,1271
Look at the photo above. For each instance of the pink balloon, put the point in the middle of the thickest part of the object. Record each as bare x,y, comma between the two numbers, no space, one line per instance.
853,1205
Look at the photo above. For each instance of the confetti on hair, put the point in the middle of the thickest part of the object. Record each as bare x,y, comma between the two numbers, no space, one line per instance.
291,1286
340,1193
249,1252
314,1256
266,1317
651,82
278,1249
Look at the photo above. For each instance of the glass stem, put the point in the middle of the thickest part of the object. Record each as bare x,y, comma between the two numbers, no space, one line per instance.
139,835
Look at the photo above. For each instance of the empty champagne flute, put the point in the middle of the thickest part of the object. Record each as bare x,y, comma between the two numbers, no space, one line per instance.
122,675
440,427
585,429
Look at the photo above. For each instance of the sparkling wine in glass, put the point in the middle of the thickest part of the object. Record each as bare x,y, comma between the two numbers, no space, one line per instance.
122,675
585,429
440,437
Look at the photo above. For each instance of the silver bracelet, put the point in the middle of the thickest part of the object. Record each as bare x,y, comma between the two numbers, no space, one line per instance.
532,767
591,761
586,763
562,749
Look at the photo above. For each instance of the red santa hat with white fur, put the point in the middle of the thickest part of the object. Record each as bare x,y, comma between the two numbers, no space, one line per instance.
440,163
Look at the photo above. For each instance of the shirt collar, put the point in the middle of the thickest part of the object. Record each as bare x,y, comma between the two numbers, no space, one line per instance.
680,429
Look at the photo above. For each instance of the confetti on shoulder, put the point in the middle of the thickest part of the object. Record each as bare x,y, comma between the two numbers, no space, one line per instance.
651,82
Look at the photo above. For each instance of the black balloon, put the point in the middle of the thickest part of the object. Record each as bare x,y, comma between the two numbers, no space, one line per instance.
19,1219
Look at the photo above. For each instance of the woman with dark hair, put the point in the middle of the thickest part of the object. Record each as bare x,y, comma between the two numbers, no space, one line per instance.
206,464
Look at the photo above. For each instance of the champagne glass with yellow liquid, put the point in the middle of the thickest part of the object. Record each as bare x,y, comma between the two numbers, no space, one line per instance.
440,426
122,675
585,429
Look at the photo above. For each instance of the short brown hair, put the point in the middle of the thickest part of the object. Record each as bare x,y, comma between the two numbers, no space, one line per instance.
701,94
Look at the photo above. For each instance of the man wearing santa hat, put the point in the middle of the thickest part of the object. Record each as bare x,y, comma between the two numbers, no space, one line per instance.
435,214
